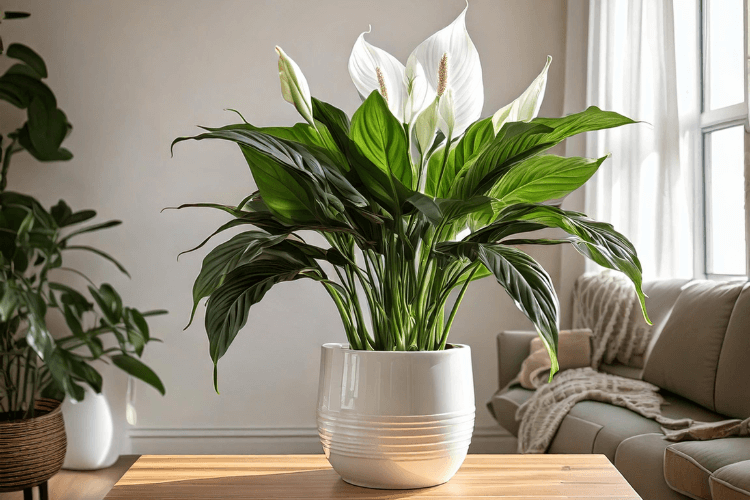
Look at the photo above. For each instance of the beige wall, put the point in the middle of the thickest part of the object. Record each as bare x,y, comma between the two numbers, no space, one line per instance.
133,75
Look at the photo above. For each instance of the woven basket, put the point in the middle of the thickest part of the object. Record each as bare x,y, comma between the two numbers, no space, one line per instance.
32,450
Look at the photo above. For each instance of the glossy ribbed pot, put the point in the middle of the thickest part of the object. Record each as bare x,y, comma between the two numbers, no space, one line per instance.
395,420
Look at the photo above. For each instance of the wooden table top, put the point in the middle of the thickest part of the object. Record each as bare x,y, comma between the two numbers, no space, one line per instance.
485,477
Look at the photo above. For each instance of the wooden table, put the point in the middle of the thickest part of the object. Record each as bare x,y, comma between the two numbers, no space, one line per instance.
162,477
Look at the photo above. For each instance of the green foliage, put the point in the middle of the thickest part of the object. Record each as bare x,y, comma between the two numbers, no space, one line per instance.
33,243
393,222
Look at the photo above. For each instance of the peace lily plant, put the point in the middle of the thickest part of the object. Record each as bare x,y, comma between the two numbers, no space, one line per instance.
416,196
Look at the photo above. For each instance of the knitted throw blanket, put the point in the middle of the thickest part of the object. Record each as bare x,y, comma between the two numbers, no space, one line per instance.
542,414
606,303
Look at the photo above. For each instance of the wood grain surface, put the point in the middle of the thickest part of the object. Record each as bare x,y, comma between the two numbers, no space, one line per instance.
527,477
82,485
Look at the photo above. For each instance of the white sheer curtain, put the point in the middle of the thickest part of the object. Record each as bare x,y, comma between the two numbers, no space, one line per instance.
639,65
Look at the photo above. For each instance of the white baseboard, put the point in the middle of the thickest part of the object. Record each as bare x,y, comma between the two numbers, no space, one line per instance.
269,440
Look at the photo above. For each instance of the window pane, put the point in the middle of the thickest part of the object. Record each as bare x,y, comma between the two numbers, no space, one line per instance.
723,53
725,212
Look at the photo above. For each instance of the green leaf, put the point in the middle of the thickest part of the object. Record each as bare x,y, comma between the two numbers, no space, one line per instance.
109,303
47,128
241,249
598,241
135,367
526,282
73,322
89,229
476,137
8,303
517,141
506,149
71,297
544,178
291,180
28,56
382,139
228,307
101,254
15,15
87,373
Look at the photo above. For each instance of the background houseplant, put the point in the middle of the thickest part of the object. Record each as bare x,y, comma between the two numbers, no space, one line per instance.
33,241
415,196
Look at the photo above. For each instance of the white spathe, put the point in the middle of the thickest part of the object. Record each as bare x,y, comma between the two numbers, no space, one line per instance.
526,107
395,420
375,69
90,431
294,87
463,73
412,88
446,69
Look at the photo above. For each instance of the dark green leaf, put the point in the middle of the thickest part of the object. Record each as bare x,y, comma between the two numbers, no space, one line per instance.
101,254
526,282
135,367
28,56
15,15
87,373
241,249
228,307
89,229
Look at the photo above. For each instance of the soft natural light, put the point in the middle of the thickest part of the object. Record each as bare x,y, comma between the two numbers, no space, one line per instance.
726,235
724,65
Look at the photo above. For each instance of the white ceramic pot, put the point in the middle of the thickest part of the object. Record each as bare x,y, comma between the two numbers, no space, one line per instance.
90,432
395,420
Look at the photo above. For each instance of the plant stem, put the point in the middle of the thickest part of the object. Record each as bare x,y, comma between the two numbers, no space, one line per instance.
6,165
454,310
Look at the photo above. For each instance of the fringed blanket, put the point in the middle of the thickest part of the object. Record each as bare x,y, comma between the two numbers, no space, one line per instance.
542,414
606,303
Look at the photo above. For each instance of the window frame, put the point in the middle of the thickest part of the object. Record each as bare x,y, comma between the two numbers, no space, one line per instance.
711,121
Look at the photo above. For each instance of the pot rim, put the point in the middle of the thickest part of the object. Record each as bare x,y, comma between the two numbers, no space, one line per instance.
344,346
50,414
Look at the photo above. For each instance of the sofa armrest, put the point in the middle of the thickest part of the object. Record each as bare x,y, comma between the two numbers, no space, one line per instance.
512,348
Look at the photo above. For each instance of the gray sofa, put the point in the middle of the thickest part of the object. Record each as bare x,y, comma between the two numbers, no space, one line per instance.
699,356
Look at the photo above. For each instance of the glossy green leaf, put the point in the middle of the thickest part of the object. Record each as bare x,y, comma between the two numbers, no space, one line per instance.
598,241
228,307
439,179
544,178
382,139
526,282
241,249
135,367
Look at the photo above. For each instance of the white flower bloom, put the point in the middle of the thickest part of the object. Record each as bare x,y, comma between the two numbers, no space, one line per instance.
372,68
526,107
451,61
294,86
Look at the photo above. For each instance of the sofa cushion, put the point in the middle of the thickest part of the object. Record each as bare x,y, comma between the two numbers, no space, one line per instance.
731,482
688,465
616,424
661,298
640,460
504,404
693,337
733,373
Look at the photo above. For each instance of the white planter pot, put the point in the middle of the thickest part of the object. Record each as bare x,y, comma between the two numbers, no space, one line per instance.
90,431
395,420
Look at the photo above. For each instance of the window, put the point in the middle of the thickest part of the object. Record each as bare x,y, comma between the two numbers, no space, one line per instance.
724,113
